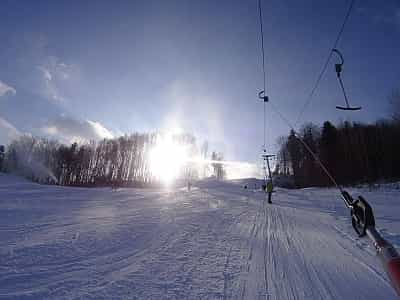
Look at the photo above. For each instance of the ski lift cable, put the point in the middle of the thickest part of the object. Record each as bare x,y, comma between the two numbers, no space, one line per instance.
362,219
325,66
262,43
262,95
316,158
362,216
263,92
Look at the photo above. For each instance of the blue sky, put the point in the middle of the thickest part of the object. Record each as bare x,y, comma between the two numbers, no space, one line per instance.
92,69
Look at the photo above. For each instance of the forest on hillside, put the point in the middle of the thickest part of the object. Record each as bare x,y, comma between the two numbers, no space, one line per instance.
122,161
352,152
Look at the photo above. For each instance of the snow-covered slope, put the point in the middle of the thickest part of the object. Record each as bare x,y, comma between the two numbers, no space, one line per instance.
218,241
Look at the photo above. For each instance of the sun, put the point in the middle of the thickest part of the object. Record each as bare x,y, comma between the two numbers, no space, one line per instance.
167,158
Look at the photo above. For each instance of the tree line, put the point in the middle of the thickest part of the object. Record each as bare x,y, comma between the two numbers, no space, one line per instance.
122,161
352,152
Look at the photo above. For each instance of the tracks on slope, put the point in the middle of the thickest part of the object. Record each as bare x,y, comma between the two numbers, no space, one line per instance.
267,252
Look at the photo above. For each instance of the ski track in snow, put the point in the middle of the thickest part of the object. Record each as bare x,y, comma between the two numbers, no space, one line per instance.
216,242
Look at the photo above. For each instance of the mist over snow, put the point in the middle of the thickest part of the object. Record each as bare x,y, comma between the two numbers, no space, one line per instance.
195,109
238,170
7,132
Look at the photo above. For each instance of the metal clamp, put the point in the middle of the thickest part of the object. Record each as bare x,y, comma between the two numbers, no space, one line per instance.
262,96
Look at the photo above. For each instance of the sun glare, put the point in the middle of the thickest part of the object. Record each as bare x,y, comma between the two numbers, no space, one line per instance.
167,159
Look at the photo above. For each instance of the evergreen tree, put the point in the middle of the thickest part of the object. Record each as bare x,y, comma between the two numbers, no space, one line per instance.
328,150
2,154
295,154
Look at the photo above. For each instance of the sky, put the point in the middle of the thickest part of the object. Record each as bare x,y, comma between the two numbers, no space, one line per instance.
81,70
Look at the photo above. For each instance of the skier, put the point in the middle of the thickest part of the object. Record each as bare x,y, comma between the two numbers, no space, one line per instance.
269,190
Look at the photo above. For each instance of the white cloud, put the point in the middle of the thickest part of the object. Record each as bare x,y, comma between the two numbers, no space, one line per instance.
389,15
6,89
7,132
49,88
46,73
40,73
54,75
69,130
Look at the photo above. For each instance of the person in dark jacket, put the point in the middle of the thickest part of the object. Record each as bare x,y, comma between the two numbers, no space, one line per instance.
269,190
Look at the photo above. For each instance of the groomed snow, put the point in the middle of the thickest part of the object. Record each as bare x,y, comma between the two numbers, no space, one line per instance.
217,241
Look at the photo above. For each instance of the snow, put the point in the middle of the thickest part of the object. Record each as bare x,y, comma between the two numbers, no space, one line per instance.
218,241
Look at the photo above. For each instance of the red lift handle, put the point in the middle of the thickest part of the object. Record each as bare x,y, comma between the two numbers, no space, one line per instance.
389,257
394,273
363,222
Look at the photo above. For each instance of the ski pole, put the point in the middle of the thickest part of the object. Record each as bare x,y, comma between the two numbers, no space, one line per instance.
363,221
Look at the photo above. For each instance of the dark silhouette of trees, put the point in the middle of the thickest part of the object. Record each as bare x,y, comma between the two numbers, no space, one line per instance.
352,152
2,150
309,170
282,166
328,147
295,151
394,100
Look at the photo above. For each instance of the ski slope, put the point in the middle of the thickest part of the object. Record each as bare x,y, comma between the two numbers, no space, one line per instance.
217,241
